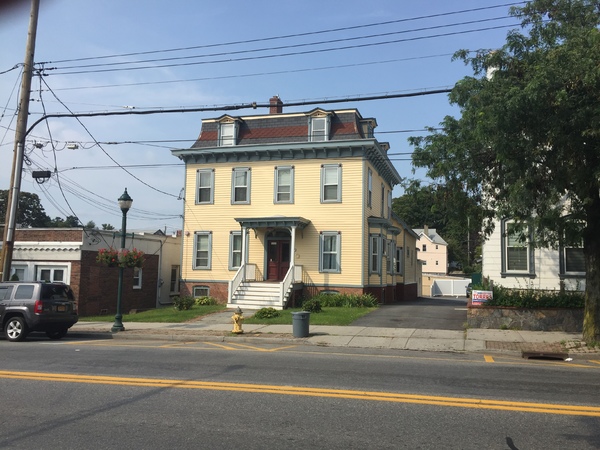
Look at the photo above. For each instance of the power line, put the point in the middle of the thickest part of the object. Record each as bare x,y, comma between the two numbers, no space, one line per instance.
100,146
278,72
271,38
285,47
253,105
305,52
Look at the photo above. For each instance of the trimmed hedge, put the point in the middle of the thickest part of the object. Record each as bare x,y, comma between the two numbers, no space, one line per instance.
532,298
344,301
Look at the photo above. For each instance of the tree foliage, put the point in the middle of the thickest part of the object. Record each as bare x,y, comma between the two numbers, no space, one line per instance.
527,142
68,222
454,215
30,212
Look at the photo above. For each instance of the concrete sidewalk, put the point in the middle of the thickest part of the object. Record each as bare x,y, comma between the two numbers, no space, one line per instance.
219,327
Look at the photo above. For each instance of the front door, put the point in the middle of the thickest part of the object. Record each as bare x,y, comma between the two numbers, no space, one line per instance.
278,259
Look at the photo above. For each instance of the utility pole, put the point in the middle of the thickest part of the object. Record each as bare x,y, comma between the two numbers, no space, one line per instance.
8,241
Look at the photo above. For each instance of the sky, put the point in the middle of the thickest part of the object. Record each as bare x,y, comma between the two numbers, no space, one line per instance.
135,56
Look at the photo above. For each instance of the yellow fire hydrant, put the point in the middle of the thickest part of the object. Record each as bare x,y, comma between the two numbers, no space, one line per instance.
238,318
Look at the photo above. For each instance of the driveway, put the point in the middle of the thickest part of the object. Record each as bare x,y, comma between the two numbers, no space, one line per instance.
433,313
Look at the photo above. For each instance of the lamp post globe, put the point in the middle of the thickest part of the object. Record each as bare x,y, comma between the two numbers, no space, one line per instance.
125,202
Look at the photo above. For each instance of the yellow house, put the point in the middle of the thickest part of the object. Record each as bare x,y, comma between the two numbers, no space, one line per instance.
282,206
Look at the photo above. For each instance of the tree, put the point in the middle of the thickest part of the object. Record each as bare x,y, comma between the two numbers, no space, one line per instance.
107,226
454,215
527,142
68,222
30,211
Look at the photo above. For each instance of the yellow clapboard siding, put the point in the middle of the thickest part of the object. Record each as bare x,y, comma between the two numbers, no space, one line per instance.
219,218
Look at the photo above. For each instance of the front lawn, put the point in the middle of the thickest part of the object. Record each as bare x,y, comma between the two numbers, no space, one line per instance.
328,316
167,314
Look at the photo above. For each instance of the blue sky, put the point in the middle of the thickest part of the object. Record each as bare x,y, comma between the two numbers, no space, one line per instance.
274,47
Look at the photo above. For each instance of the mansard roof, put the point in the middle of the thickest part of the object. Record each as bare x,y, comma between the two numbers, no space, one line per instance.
279,136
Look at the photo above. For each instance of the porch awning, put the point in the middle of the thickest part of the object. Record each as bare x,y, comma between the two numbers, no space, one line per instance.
273,222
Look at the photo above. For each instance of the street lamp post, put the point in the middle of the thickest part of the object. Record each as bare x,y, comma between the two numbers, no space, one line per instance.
125,202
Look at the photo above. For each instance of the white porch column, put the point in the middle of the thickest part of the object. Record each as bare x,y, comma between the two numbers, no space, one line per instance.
293,246
244,255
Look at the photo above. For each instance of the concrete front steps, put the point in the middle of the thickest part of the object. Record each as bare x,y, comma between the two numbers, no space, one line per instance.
256,295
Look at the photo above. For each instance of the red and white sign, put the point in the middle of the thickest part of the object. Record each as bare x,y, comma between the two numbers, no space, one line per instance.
480,297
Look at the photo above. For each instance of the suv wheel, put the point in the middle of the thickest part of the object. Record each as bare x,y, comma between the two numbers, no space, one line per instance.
57,334
15,329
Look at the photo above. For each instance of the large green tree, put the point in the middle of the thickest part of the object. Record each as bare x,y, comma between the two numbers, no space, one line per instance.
30,210
527,142
454,215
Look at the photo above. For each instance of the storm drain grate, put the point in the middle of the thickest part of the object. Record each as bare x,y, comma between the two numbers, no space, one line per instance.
547,356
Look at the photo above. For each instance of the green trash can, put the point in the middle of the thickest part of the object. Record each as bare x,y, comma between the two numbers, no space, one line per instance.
300,323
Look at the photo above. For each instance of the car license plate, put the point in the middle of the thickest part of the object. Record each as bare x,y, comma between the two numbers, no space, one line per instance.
61,308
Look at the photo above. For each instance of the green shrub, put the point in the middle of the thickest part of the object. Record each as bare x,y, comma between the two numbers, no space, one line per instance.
532,298
267,313
346,300
313,305
183,303
204,301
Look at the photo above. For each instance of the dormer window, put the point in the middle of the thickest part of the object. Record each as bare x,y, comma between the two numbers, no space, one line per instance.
227,134
319,129
368,125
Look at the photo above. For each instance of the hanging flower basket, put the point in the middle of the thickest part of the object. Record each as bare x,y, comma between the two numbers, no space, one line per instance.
131,258
111,257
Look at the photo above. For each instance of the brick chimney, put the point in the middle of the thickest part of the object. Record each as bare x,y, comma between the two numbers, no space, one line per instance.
276,105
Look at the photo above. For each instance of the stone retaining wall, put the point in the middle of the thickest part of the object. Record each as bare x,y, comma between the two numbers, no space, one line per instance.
551,319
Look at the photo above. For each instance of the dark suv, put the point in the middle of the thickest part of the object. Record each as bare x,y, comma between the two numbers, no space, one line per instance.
27,306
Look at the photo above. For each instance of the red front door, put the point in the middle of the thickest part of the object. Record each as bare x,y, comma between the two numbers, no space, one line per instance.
278,259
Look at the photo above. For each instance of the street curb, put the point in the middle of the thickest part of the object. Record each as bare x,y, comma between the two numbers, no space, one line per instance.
208,337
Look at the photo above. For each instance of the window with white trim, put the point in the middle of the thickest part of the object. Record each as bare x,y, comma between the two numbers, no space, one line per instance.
240,185
330,246
389,205
201,291
382,206
205,186
18,272
399,261
319,129
284,184
375,253
174,282
202,250
235,250
573,261
45,273
331,183
227,134
516,248
391,251
137,277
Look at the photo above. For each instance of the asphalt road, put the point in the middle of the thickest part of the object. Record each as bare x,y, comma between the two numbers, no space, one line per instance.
430,313
154,394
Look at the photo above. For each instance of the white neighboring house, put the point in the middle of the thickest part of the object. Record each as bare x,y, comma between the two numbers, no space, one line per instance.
518,265
433,251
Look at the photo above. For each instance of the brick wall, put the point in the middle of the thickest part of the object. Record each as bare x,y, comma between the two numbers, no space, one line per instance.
99,287
49,235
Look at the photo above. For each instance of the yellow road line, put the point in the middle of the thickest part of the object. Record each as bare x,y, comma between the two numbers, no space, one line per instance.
226,347
595,361
488,358
542,408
